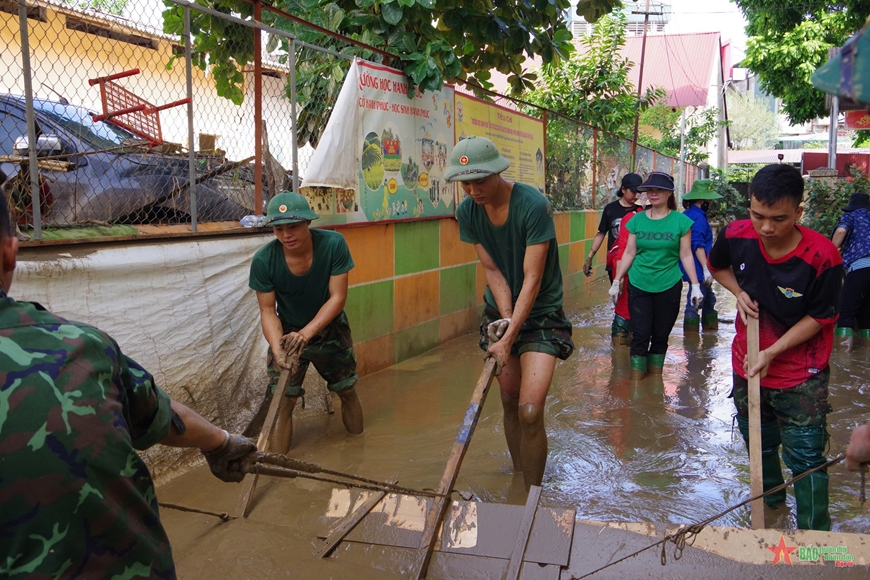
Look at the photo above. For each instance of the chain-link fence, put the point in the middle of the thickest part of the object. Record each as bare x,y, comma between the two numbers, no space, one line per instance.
112,116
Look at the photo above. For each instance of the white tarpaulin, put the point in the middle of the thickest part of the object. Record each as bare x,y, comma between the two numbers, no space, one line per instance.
183,310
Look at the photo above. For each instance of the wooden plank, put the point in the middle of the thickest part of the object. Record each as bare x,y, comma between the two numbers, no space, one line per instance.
756,484
519,550
460,446
344,527
250,483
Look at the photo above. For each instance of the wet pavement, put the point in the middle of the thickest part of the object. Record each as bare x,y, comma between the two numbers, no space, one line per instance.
660,451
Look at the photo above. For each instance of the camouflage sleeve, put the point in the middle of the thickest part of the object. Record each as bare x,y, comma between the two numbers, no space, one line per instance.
147,409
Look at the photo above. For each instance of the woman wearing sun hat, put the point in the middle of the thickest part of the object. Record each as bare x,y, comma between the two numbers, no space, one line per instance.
852,237
659,239
697,202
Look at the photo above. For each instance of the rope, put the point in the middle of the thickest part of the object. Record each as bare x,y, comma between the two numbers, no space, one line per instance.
687,534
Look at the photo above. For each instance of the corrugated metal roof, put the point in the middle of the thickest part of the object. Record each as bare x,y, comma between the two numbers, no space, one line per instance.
682,64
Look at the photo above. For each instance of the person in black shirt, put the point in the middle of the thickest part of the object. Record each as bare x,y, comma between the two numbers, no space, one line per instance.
611,217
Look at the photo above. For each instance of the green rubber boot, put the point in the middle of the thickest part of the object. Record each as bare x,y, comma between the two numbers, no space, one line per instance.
691,324
710,321
803,449
620,331
771,470
864,333
844,339
638,367
655,363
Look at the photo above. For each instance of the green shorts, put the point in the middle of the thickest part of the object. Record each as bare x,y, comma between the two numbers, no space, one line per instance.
331,352
803,405
550,334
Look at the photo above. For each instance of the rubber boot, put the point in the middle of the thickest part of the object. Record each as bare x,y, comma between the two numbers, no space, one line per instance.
803,448
844,339
638,367
655,363
691,324
771,470
864,333
619,331
710,321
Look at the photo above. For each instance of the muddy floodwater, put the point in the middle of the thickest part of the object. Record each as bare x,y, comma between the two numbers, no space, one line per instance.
660,450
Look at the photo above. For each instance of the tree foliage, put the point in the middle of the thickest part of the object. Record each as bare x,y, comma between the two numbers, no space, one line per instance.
592,85
702,125
434,41
788,41
752,124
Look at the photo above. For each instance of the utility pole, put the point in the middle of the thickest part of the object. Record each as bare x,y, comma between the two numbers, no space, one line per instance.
646,16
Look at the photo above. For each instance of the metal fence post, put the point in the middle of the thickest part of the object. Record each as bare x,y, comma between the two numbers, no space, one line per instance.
191,156
31,121
258,110
294,114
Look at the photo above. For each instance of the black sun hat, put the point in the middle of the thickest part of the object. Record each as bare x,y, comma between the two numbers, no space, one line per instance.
657,180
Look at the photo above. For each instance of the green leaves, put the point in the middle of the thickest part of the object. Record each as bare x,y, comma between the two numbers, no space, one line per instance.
391,12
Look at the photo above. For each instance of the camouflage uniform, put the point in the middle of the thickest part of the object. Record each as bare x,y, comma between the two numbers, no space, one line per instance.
550,334
76,500
331,351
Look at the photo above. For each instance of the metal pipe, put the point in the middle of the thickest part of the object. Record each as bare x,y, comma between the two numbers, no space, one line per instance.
26,71
293,114
191,157
681,185
258,112
639,88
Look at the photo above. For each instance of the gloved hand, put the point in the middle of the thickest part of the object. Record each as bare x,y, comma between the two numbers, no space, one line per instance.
587,266
708,277
696,297
495,330
226,461
614,291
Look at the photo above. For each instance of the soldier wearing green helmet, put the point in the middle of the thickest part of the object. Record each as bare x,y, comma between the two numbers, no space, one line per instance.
524,327
300,279
696,203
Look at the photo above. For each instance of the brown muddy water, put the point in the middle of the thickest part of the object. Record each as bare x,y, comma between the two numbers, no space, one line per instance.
658,450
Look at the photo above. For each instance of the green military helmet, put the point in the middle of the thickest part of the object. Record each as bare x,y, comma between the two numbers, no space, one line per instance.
847,73
288,207
475,158
701,189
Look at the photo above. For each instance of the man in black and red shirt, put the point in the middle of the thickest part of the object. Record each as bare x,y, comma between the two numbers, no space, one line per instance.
789,277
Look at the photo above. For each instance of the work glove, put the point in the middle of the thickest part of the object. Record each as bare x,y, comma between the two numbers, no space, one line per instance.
708,277
614,291
495,330
696,297
587,266
226,461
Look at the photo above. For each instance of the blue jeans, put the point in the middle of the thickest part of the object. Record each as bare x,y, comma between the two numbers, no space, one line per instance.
708,306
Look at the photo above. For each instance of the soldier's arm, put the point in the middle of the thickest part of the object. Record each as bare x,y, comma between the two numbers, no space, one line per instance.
197,431
330,309
271,324
497,283
533,272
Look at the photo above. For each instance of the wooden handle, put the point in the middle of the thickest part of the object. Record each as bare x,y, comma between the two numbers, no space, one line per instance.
756,482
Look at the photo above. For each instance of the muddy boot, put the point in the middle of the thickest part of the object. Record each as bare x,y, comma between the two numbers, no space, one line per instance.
638,367
710,321
844,339
771,470
655,363
620,331
691,324
803,449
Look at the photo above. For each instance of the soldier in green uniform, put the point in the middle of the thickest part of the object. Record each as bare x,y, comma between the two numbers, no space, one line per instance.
524,327
76,500
300,279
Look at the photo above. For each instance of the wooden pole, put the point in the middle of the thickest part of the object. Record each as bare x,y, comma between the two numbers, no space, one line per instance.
250,483
639,87
460,446
756,483
522,541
